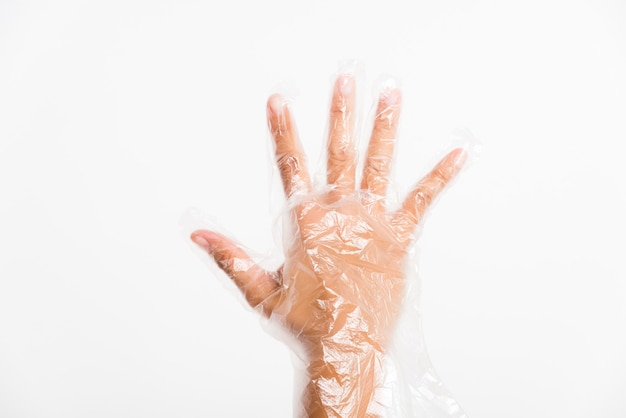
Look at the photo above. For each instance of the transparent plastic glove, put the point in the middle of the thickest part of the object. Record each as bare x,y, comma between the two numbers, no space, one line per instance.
341,287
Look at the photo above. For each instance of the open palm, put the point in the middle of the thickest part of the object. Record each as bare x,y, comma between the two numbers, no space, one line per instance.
341,286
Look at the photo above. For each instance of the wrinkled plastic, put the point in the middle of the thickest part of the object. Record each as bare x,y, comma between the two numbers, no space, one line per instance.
347,295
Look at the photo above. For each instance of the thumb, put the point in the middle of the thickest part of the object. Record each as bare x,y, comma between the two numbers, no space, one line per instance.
258,285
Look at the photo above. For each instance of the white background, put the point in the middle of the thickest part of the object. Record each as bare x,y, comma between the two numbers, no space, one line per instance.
116,116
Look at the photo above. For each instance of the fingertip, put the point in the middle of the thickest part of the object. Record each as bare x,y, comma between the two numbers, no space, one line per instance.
391,96
345,84
276,104
198,238
207,239
458,157
276,114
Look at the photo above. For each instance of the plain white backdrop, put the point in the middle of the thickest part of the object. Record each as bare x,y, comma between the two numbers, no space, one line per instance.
116,116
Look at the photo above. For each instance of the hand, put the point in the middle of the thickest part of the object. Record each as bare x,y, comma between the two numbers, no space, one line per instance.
341,286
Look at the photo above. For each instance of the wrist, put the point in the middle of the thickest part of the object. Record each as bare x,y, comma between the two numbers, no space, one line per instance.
343,378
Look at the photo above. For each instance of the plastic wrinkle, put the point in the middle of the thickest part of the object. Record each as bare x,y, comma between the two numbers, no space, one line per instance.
346,298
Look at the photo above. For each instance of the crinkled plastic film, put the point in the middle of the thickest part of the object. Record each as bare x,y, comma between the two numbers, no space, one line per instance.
346,298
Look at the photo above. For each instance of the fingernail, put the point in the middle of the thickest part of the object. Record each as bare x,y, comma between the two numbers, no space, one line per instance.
390,96
200,241
346,84
460,158
276,113
276,103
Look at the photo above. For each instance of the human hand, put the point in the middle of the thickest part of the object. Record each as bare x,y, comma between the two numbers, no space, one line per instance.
340,288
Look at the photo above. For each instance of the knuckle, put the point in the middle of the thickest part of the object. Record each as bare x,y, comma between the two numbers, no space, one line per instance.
339,155
378,166
423,198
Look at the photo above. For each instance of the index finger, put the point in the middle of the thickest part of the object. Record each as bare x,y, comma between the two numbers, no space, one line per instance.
423,194
289,156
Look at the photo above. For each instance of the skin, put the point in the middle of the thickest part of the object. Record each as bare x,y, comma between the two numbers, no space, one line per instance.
340,288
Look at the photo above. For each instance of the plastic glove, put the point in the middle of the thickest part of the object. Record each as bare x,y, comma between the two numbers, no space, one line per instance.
341,287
